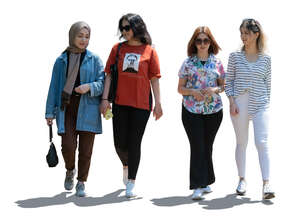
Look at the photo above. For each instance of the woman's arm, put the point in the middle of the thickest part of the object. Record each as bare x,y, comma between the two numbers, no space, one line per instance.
230,76
94,88
229,86
220,81
157,112
105,103
197,94
52,103
268,79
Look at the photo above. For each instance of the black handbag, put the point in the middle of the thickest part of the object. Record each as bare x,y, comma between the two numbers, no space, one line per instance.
52,158
114,78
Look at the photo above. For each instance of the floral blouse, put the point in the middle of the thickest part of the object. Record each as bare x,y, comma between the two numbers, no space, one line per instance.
199,77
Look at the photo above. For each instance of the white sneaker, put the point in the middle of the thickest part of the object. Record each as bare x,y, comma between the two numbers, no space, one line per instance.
267,192
125,175
241,188
129,189
207,189
197,194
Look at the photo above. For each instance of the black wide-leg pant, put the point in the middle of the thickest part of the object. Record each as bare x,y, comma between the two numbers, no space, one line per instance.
201,131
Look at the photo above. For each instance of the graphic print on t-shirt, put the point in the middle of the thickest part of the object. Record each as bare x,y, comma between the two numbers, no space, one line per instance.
131,62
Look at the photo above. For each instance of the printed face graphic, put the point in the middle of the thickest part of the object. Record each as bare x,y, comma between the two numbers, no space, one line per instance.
131,63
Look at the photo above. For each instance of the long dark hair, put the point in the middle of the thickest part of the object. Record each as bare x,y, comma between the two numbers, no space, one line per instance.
137,26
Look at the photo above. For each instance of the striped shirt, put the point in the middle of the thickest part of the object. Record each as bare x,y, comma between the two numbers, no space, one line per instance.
254,77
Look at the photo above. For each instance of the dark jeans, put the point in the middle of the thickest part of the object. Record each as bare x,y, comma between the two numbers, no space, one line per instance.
129,124
201,131
69,142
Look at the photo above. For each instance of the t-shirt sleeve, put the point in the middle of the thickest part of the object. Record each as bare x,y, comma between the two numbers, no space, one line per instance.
220,69
111,59
154,67
183,71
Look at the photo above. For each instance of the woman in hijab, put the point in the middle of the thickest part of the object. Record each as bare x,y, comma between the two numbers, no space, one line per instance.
73,100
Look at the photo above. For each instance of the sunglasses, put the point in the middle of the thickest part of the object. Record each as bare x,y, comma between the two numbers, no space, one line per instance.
205,41
126,28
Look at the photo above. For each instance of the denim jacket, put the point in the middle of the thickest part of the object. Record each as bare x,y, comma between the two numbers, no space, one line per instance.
91,72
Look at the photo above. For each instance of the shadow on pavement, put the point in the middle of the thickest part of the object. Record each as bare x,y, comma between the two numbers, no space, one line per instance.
62,199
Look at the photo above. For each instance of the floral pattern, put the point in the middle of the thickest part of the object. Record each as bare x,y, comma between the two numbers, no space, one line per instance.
199,77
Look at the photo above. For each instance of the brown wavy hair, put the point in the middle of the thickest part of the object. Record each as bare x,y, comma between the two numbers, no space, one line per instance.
213,47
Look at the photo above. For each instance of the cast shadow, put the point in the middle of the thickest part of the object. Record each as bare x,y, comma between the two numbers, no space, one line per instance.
62,199
229,201
172,201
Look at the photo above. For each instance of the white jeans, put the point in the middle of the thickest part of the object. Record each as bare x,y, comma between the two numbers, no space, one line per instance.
241,125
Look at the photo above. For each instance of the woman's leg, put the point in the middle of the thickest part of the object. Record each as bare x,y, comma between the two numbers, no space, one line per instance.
86,142
241,124
260,124
194,127
69,138
138,119
69,141
212,123
120,131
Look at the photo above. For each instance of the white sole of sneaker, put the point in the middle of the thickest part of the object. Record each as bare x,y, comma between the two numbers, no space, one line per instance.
131,196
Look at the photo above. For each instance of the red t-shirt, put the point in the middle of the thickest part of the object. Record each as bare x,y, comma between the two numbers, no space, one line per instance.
136,66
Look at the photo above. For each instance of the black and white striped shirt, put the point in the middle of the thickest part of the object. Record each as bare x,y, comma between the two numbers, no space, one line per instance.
255,78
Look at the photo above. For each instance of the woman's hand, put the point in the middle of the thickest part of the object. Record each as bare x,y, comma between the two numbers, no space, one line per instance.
49,121
104,106
157,112
82,89
197,94
209,91
234,109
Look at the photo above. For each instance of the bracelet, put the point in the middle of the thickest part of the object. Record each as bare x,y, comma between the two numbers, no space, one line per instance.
104,99
220,89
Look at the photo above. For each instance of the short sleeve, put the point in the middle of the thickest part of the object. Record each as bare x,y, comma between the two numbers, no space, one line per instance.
220,69
111,59
183,71
154,67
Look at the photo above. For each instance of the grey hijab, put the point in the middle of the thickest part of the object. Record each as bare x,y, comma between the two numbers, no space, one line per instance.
74,30
74,62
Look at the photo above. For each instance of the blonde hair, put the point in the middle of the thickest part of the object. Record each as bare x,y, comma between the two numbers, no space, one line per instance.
255,27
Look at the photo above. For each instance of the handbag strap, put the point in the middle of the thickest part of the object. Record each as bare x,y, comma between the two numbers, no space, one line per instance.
50,133
117,56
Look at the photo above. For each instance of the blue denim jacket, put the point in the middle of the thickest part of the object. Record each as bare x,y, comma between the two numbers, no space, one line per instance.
91,72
